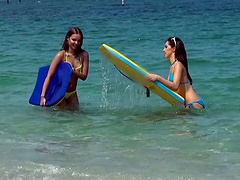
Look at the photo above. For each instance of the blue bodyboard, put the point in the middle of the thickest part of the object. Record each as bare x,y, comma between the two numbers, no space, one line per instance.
57,87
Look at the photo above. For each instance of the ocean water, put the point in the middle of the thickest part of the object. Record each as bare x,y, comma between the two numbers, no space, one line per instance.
119,133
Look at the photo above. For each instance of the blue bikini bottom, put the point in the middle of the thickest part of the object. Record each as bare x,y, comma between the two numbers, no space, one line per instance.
201,102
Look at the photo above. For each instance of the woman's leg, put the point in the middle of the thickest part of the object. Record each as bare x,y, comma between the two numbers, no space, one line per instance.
63,103
73,100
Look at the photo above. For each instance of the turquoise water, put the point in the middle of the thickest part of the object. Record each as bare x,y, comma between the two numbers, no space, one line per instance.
119,134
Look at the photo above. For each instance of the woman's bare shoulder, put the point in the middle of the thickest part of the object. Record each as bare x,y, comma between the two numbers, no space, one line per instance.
178,65
85,54
60,55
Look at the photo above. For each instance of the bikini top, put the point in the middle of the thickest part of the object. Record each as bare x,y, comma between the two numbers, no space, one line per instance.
171,76
79,67
171,79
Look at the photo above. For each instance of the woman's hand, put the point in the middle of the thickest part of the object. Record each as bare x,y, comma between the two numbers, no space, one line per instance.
43,101
152,77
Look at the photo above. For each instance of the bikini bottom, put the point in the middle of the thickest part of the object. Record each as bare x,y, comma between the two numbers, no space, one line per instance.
67,95
201,102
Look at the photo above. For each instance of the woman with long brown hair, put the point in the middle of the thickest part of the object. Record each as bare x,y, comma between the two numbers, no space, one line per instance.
179,79
73,54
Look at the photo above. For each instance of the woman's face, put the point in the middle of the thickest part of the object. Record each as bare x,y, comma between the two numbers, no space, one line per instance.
74,41
168,50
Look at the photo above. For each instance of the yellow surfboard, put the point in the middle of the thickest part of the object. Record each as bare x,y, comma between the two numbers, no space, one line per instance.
139,75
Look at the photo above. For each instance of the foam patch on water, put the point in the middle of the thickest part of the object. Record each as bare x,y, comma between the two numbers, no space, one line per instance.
36,171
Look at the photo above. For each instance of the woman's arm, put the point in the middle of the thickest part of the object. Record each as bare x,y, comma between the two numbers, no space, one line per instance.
85,66
57,59
178,69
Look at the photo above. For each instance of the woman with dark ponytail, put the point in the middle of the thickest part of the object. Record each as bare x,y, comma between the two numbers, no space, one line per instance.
179,79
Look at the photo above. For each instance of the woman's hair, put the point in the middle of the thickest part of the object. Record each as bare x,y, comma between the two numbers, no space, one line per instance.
74,30
180,53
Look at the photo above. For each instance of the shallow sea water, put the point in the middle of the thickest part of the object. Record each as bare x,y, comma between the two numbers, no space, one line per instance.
119,133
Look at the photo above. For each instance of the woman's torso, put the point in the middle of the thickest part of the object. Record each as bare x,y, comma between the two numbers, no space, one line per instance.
185,88
76,63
